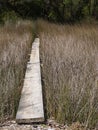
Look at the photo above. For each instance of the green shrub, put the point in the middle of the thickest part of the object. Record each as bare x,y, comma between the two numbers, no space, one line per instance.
85,11
9,16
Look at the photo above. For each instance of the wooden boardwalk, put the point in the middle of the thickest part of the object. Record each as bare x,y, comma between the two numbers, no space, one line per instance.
31,103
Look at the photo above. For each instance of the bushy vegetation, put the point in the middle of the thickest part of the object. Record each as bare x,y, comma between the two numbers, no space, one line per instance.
69,60
53,10
15,44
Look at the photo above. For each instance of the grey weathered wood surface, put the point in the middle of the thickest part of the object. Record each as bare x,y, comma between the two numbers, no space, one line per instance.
31,102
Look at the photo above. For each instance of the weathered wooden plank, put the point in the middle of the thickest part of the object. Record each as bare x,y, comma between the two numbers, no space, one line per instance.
31,102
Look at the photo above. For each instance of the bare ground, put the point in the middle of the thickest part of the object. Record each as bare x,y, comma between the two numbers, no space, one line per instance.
51,124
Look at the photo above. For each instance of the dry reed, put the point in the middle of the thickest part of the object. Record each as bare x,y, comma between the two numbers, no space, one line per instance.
69,56
15,43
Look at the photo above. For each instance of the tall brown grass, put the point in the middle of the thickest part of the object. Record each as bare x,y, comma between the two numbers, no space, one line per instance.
15,43
69,56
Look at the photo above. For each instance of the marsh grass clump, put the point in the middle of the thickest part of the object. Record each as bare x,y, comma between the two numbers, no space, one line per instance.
15,44
69,56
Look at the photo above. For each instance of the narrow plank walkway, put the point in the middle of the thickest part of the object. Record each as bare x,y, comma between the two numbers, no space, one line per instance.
31,103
